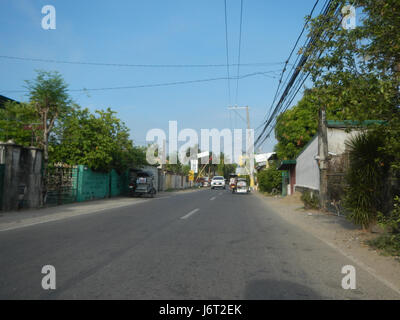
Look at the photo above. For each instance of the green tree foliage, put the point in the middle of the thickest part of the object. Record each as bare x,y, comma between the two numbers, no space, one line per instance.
295,127
48,96
367,178
100,141
360,67
269,179
15,121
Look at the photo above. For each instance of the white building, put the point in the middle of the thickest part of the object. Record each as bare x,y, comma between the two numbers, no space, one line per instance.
307,169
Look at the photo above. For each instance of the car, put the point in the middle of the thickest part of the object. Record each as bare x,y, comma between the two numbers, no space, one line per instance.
218,182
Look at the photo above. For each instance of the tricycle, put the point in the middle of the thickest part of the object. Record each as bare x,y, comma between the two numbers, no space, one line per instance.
141,183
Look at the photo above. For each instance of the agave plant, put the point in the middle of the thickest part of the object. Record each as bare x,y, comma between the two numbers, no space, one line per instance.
367,178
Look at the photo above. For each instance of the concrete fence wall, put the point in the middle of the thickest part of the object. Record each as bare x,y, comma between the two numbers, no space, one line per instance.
22,176
21,181
173,181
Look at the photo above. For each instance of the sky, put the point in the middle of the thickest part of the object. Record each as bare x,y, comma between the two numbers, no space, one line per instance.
155,32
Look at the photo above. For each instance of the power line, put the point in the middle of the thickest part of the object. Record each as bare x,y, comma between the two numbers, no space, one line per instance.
288,59
303,77
253,64
227,53
298,70
240,44
161,84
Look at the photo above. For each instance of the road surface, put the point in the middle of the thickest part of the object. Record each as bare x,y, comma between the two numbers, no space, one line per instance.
207,244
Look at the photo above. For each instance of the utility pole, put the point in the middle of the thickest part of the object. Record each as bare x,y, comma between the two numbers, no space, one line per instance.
250,149
323,158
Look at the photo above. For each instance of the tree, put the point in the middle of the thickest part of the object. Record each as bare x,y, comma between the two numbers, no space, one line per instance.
48,96
19,122
100,141
360,67
295,127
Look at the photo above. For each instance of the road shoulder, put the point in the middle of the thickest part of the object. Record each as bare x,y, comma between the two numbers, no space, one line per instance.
340,235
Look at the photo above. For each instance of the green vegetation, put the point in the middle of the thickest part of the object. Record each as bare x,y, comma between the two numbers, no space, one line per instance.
296,126
356,76
367,178
389,242
67,133
310,200
269,179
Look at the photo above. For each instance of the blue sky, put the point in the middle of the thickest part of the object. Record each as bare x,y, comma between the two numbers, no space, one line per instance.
154,32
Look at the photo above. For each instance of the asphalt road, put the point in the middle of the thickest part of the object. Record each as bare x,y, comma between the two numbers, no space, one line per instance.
208,244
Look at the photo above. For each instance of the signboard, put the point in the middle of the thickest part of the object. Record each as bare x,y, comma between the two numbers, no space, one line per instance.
194,165
191,175
241,171
203,154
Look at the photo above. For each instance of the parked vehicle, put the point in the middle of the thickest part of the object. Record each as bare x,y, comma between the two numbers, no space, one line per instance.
218,182
141,183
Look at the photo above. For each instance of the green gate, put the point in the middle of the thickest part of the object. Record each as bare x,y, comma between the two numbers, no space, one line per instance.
2,168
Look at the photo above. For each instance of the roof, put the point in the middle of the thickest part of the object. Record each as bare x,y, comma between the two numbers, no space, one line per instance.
342,124
3,100
352,123
286,164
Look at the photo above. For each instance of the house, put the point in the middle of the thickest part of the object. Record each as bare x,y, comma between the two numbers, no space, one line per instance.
263,160
288,168
3,101
303,173
307,166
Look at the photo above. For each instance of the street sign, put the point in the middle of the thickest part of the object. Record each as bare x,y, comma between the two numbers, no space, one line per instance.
194,165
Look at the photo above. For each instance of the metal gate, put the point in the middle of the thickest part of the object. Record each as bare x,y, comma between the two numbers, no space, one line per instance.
61,185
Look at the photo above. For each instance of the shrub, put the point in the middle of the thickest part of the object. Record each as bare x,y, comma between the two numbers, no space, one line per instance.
391,223
366,178
388,243
269,179
310,200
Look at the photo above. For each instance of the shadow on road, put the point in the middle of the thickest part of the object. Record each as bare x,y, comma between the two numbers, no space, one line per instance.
278,290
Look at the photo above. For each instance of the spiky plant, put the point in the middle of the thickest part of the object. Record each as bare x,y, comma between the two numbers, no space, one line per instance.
366,177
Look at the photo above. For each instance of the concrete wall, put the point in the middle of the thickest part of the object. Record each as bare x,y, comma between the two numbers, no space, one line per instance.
22,176
173,181
307,170
337,138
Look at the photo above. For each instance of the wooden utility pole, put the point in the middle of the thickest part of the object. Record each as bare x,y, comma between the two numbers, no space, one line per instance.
323,158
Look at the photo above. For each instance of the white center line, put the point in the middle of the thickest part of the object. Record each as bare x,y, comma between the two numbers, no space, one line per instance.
190,213
213,198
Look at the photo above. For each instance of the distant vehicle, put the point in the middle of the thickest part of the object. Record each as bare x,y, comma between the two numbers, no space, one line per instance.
218,182
232,181
242,186
141,183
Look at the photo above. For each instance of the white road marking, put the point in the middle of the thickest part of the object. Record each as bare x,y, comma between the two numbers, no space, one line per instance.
190,213
213,198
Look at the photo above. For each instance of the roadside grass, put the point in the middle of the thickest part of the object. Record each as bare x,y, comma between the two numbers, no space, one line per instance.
388,244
